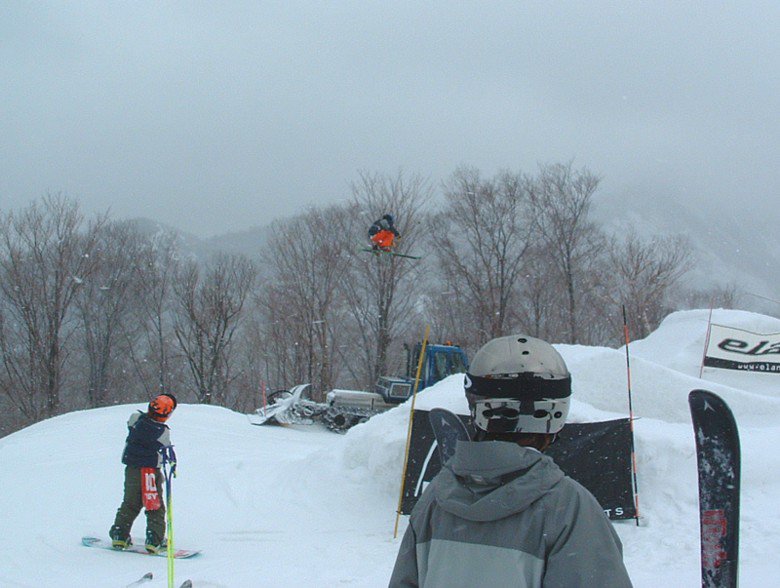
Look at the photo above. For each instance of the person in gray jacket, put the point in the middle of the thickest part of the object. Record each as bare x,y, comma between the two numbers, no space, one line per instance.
500,512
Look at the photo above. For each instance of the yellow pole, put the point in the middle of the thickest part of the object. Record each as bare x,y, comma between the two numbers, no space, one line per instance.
409,429
170,536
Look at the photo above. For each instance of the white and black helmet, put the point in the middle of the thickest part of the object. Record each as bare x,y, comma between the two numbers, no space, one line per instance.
518,384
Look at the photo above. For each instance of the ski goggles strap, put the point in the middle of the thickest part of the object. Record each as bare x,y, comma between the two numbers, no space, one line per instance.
523,386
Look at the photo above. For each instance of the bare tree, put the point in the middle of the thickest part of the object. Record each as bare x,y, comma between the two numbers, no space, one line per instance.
46,254
481,236
561,197
717,296
208,313
104,303
151,343
540,296
256,360
380,291
308,264
643,275
279,334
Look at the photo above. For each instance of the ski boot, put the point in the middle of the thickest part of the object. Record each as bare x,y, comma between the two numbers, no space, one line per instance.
120,539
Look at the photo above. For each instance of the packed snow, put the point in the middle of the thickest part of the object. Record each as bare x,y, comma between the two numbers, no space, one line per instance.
301,506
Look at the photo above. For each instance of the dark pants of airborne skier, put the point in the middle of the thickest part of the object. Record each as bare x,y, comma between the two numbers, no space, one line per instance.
132,503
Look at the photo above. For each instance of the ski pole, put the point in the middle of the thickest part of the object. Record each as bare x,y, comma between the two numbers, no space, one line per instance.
631,419
169,470
170,535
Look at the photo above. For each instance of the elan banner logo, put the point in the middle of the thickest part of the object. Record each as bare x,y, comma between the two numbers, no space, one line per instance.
736,349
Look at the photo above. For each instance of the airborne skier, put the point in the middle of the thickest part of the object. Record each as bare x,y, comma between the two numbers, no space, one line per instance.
383,233
500,513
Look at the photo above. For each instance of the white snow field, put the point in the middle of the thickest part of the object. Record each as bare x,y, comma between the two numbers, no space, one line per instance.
301,506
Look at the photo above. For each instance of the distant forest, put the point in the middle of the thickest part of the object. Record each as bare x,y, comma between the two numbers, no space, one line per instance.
96,312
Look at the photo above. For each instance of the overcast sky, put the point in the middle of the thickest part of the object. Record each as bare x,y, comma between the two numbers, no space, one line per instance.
218,116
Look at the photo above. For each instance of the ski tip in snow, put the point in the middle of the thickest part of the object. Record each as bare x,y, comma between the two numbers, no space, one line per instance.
147,577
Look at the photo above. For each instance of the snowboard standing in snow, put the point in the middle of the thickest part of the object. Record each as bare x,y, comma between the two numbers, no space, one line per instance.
448,430
104,544
718,460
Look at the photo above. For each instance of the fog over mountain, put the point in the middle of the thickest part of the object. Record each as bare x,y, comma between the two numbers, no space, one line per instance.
732,244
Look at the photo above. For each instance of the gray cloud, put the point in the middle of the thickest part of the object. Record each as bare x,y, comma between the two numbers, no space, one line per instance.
215,117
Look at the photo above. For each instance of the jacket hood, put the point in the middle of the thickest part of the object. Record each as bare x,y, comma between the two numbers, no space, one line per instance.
491,480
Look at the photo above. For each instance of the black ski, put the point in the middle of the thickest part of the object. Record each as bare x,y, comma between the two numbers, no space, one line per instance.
448,430
718,460
394,253
186,584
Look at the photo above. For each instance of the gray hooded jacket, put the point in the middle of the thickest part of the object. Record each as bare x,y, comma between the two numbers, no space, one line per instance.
503,515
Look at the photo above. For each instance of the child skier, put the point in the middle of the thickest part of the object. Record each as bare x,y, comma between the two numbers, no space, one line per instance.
147,439
383,233
500,512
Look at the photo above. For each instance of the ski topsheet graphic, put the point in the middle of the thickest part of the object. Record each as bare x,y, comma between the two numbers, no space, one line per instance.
718,461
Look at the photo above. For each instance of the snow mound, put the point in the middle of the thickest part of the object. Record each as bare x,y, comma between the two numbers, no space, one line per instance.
678,343
301,506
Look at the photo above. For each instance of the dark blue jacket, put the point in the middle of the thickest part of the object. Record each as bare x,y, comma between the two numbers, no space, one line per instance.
145,439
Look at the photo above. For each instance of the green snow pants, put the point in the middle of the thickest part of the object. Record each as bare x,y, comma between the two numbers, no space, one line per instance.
132,503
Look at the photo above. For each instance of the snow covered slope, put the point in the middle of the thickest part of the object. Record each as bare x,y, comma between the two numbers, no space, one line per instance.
300,506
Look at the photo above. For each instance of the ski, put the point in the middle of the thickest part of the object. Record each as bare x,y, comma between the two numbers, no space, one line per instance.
394,253
186,584
718,461
147,577
448,430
